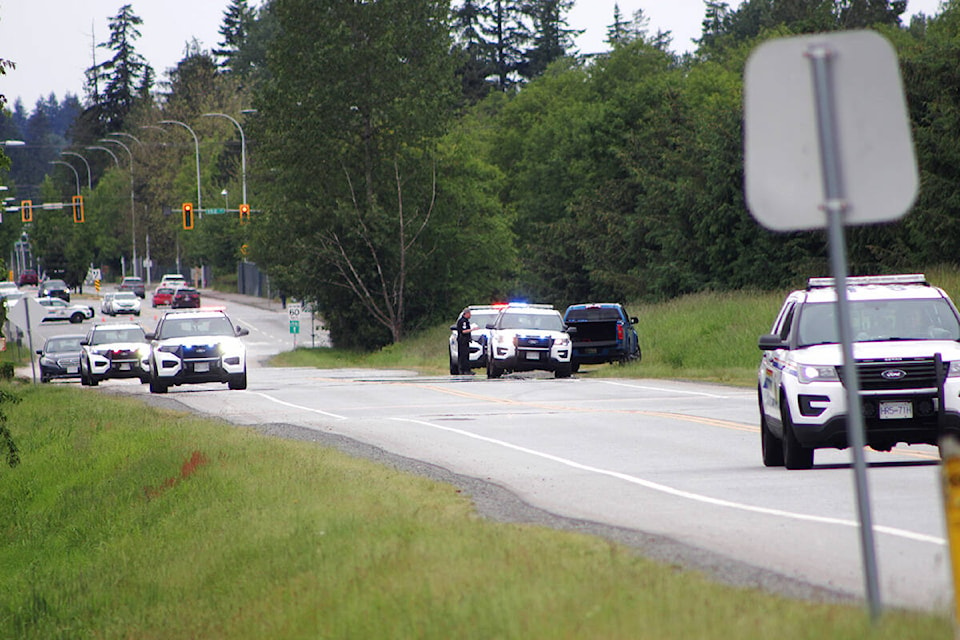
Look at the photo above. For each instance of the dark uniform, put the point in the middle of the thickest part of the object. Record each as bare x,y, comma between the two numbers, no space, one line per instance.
463,343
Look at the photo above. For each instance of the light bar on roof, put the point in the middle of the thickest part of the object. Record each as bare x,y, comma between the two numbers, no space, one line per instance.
902,278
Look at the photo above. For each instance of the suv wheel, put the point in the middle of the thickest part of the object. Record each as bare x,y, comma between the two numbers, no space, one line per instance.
493,371
771,447
238,382
77,317
562,371
155,385
795,455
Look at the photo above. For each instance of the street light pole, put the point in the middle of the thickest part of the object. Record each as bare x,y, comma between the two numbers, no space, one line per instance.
112,154
89,177
133,211
196,142
72,168
243,152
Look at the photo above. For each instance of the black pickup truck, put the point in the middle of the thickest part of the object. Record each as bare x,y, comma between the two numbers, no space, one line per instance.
605,333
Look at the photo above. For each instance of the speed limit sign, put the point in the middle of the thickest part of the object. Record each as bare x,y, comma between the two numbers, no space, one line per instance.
294,309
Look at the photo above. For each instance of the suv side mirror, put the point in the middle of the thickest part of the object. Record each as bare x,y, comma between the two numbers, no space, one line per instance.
633,320
570,330
149,336
242,332
771,342
491,325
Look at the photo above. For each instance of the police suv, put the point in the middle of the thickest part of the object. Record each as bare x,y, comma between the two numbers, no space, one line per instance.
906,349
196,346
525,337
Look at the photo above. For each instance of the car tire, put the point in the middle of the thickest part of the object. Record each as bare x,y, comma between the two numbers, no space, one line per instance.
771,447
493,371
575,367
563,371
795,455
238,382
77,318
454,367
155,385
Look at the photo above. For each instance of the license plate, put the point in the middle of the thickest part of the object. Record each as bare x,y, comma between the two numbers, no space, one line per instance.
532,355
590,350
896,410
73,369
124,366
201,367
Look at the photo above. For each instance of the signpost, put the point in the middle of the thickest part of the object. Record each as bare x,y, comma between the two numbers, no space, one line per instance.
26,314
294,311
827,144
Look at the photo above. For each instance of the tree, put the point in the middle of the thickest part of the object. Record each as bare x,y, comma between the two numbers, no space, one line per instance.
237,22
509,34
355,193
551,38
476,54
124,75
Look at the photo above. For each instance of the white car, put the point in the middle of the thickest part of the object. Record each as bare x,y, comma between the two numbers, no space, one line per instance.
480,317
113,350
173,280
526,337
124,302
57,309
7,287
193,346
907,353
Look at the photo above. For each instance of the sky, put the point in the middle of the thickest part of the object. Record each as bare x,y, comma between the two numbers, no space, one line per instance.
52,41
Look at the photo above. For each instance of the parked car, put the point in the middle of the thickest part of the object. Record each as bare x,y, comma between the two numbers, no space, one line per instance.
60,357
525,337
196,346
7,288
605,333
58,309
134,284
113,350
125,302
185,298
163,296
480,317
906,349
28,276
55,288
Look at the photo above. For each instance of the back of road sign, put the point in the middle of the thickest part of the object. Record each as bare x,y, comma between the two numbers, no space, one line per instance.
782,161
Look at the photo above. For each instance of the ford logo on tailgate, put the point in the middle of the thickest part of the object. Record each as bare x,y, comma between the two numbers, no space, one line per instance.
894,374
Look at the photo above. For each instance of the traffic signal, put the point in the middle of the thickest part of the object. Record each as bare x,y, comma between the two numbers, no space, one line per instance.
78,209
26,210
244,213
188,215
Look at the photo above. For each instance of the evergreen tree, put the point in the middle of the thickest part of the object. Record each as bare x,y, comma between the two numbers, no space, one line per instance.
237,21
509,34
477,55
551,37
124,77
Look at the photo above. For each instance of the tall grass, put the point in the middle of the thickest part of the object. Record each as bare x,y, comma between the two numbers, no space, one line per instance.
124,521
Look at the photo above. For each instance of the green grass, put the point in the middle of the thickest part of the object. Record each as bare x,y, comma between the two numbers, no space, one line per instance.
124,521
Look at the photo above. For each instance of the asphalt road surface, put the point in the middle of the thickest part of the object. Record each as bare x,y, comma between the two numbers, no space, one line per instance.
673,468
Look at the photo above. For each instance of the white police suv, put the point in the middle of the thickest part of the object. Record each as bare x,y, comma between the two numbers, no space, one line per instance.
196,346
113,350
480,317
906,349
526,337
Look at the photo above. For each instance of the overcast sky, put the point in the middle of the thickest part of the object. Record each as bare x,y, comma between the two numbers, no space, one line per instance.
52,41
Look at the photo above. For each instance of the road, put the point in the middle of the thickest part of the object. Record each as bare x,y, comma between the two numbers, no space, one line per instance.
679,462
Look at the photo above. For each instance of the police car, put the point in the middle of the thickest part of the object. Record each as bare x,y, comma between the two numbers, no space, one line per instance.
480,317
113,350
906,349
527,337
196,346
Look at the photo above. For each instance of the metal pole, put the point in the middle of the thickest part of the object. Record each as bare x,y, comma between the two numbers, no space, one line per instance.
89,176
72,168
196,142
133,210
243,153
835,205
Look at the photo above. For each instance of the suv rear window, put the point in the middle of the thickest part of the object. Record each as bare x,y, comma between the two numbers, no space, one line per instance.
593,314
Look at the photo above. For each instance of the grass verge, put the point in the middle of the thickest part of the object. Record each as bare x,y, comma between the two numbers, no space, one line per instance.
124,521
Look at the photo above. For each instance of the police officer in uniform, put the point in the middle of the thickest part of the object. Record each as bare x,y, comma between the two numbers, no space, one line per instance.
463,342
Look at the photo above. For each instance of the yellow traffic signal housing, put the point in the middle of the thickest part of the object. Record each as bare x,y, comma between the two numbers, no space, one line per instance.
26,210
188,215
244,213
78,209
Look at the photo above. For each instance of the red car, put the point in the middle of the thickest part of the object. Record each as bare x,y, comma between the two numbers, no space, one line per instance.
28,276
185,298
162,296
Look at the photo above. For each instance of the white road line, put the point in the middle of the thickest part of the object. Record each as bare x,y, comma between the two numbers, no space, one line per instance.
910,535
297,406
661,390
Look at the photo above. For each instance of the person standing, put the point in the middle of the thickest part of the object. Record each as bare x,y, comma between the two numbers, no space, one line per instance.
464,329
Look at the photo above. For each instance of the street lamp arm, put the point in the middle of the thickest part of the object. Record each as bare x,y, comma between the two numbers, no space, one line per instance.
112,154
196,142
72,168
243,151
89,176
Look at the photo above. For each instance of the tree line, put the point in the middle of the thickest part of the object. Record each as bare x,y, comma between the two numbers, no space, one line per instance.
409,157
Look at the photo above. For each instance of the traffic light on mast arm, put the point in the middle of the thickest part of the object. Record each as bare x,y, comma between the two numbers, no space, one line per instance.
26,210
78,209
244,213
188,215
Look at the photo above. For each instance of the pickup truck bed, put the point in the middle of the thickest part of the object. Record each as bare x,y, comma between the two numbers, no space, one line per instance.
604,333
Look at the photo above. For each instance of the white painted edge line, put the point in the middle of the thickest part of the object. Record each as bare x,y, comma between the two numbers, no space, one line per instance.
297,406
902,533
678,391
